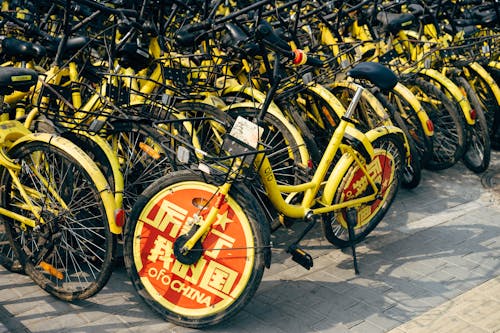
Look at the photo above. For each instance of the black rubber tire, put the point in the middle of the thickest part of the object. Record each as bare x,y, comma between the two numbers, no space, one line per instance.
334,229
486,98
260,236
78,236
477,155
315,118
494,121
449,130
365,116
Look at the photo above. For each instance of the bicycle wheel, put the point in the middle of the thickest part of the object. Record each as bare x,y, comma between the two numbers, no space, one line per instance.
409,115
70,255
228,272
494,121
486,97
316,112
208,123
412,174
386,169
143,156
284,158
478,152
7,257
449,130
369,113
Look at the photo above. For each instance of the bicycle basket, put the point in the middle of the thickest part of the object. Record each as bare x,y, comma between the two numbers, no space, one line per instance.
196,73
230,160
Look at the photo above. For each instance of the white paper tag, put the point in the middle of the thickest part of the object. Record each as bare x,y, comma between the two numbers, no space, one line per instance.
246,131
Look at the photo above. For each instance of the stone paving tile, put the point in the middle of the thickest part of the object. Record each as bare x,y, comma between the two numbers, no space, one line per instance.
474,311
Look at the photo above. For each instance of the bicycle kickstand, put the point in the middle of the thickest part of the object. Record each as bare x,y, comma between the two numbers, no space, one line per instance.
352,220
298,255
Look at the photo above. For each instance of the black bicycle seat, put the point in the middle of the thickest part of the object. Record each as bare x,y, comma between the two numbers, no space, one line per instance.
72,44
395,22
13,78
22,50
376,73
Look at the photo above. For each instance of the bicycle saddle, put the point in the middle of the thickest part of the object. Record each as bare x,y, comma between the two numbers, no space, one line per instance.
72,44
21,50
469,30
13,78
395,22
131,55
376,73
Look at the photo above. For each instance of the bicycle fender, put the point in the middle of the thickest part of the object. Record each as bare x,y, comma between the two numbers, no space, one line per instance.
335,178
359,141
457,94
113,160
378,132
423,117
332,100
368,96
347,159
304,153
362,144
96,174
482,72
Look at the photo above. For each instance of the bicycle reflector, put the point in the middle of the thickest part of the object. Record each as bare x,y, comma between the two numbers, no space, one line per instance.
120,217
430,126
473,114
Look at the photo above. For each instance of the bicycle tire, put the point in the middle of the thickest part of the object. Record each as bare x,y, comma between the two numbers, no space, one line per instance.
71,255
449,130
388,149
157,279
7,256
316,112
477,155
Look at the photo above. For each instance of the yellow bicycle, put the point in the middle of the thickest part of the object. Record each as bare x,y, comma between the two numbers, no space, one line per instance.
56,207
197,242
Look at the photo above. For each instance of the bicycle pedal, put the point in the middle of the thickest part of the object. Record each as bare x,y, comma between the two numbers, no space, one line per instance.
300,256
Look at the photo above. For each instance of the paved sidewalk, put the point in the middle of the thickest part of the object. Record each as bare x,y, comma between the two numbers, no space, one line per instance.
432,265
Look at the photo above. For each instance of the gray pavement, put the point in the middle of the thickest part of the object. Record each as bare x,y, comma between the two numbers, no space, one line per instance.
432,265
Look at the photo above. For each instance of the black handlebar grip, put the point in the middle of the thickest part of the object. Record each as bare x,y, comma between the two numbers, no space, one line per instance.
315,62
301,58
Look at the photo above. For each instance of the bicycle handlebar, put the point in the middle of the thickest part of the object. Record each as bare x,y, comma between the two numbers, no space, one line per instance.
109,10
266,33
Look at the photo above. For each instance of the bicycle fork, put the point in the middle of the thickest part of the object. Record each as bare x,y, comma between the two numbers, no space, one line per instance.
188,248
